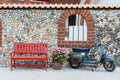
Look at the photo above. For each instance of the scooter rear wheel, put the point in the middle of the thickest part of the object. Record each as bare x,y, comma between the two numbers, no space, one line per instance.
74,65
109,66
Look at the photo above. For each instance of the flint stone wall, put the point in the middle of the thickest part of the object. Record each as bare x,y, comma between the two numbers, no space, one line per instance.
41,26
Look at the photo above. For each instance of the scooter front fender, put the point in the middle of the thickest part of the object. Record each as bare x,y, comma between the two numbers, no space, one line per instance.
109,58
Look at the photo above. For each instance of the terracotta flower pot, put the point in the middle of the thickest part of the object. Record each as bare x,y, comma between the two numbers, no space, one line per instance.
57,65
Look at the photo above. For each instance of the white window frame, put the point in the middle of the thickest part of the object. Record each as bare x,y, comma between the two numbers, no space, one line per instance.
77,32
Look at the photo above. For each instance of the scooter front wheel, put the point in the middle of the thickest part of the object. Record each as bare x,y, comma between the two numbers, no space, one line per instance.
109,66
74,65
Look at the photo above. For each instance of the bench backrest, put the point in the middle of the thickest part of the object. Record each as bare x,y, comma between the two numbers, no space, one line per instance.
20,47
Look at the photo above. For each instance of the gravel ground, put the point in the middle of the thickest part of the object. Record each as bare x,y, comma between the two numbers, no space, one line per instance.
64,74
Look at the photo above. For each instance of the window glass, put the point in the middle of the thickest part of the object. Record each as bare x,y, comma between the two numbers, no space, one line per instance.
72,20
74,31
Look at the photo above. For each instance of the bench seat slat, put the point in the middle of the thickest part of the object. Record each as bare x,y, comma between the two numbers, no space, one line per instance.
29,57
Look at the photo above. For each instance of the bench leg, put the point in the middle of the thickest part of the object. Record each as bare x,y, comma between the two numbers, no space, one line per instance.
11,65
46,65
14,64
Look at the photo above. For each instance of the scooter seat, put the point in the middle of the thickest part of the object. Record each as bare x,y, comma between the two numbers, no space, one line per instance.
80,49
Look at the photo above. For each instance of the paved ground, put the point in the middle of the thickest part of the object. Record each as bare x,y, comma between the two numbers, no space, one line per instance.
64,74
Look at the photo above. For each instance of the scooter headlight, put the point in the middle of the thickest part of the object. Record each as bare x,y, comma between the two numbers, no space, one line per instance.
82,54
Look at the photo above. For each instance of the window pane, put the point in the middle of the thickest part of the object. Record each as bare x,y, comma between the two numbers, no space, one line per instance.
77,19
76,33
71,33
72,20
80,33
85,32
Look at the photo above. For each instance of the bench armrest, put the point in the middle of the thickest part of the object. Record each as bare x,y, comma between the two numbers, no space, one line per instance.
11,54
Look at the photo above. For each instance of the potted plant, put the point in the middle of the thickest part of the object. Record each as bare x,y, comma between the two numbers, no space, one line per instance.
59,56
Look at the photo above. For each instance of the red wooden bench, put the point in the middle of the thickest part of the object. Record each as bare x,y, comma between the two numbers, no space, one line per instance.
29,51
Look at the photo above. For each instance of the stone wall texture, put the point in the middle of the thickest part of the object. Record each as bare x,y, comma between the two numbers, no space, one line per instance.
27,26
107,29
41,26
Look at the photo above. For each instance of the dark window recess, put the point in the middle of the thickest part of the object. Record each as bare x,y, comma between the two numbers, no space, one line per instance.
72,20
